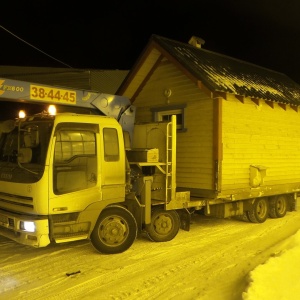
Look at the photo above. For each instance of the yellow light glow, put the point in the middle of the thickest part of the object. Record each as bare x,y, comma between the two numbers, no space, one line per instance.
22,114
52,110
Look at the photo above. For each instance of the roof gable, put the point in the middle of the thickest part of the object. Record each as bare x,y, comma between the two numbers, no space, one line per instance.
219,73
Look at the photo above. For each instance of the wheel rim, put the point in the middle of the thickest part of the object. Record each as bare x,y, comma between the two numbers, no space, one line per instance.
162,224
281,205
113,231
262,209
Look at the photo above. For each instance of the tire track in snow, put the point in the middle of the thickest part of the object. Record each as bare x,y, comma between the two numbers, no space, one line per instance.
190,266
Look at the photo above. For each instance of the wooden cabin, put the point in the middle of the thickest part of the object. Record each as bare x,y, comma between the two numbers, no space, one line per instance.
238,124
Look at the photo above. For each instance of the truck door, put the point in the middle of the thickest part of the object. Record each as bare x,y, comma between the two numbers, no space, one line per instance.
75,168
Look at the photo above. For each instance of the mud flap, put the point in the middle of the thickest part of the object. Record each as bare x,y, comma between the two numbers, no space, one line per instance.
185,218
294,202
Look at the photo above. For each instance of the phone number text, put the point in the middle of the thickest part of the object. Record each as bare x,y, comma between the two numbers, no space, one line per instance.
52,94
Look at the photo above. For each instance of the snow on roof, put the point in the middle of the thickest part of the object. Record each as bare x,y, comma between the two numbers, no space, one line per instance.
221,73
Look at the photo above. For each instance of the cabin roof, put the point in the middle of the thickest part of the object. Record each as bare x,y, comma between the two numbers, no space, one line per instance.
217,72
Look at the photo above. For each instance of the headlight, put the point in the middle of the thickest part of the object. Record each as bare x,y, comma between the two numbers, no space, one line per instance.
27,226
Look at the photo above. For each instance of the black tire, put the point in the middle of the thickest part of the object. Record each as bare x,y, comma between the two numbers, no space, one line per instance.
164,225
259,211
115,230
278,206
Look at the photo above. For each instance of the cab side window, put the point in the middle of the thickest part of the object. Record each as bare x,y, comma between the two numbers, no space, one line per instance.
111,144
75,159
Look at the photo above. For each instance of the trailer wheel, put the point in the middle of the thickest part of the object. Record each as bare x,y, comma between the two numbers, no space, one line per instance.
115,230
259,211
164,225
278,206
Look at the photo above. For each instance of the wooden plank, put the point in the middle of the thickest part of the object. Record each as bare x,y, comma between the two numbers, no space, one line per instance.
240,98
270,103
256,101
294,107
282,105
217,142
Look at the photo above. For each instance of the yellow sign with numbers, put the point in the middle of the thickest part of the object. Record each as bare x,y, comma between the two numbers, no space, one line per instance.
52,94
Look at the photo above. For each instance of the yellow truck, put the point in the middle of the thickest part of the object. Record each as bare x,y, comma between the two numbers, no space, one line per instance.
87,171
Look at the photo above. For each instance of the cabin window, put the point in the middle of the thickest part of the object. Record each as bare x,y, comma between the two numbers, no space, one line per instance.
164,114
111,144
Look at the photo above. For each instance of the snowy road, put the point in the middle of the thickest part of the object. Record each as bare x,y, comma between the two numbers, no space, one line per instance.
211,261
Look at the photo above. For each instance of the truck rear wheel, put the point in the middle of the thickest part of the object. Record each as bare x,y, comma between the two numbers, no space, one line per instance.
259,211
115,230
164,225
278,206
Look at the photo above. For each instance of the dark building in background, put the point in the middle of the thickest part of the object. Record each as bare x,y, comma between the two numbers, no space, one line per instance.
103,81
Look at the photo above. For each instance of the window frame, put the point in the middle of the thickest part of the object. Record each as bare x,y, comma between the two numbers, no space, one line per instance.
159,112
111,144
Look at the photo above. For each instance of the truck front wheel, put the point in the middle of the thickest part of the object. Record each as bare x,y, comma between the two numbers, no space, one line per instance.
115,230
164,225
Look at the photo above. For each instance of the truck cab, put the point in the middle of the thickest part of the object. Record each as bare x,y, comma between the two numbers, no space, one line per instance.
60,172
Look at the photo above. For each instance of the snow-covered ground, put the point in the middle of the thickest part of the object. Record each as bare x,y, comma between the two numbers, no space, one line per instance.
279,277
217,259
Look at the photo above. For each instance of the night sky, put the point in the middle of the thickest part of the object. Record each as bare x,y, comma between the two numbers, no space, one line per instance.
112,34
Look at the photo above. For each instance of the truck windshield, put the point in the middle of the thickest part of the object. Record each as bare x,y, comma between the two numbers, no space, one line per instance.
23,149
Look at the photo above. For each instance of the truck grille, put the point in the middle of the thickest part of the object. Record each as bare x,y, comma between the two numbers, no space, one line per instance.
3,219
11,222
15,199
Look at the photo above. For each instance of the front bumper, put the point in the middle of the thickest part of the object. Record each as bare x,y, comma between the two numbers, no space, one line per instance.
10,227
